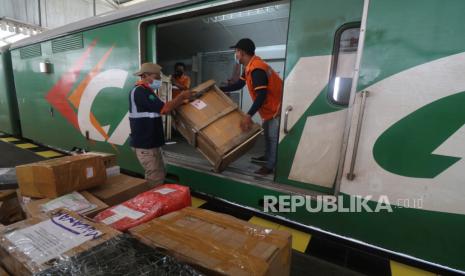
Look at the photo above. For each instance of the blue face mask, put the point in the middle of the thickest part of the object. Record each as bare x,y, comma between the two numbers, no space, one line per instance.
156,84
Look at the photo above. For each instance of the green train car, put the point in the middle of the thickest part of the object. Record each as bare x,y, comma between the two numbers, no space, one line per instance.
9,118
372,106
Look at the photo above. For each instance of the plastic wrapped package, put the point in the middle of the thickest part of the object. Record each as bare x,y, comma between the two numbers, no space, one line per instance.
219,244
146,206
82,202
8,178
34,245
122,255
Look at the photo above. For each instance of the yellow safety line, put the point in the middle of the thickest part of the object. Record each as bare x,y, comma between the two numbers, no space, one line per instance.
49,153
263,222
398,269
197,202
26,146
9,139
300,240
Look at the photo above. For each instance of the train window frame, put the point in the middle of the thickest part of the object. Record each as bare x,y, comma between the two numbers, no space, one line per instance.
335,61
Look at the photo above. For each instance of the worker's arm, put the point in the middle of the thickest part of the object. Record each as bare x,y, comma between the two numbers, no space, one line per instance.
181,86
238,85
171,105
260,84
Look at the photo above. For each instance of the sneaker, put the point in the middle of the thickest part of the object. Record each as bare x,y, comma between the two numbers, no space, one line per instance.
259,160
264,171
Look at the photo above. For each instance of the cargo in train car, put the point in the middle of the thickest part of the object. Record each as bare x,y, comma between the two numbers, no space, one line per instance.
202,44
211,123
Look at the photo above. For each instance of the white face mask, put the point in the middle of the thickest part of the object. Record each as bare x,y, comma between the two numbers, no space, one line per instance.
236,61
156,84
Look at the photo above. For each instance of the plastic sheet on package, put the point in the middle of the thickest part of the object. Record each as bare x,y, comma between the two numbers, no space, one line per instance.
122,255
146,206
32,246
219,243
8,178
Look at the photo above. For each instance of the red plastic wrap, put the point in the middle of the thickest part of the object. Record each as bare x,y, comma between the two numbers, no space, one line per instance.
146,206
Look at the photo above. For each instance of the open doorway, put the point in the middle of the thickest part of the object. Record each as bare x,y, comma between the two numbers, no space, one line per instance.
203,43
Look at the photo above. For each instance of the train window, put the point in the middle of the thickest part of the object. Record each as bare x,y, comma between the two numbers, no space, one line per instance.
343,65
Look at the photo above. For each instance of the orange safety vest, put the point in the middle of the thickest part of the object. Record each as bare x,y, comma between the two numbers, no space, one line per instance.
184,80
272,105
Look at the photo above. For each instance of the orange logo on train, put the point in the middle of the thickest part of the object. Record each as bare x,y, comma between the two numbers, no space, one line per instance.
75,105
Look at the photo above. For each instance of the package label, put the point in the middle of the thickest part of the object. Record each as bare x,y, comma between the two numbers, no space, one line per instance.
165,191
199,104
120,212
113,171
51,238
112,219
90,172
127,212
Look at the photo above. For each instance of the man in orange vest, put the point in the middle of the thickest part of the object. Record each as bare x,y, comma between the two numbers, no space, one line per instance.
180,80
266,90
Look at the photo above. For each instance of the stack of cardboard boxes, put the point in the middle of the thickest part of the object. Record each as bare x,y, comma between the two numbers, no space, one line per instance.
94,175
188,240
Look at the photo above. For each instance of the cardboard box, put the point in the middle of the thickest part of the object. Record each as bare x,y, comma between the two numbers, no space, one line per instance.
120,188
7,194
10,208
219,244
109,159
211,123
56,177
33,208
62,235
3,272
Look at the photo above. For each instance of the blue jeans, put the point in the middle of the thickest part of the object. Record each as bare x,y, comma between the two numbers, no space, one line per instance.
271,128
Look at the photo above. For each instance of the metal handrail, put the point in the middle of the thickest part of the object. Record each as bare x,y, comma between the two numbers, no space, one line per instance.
286,117
351,175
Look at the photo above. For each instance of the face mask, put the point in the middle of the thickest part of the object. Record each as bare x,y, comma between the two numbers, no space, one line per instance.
178,73
236,61
156,84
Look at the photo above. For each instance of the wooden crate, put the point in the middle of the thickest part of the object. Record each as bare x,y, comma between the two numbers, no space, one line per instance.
211,123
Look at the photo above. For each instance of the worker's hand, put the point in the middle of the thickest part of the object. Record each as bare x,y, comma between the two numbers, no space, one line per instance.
246,123
165,110
186,94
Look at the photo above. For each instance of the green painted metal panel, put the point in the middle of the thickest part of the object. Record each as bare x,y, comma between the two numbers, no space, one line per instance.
406,147
422,32
9,119
312,28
